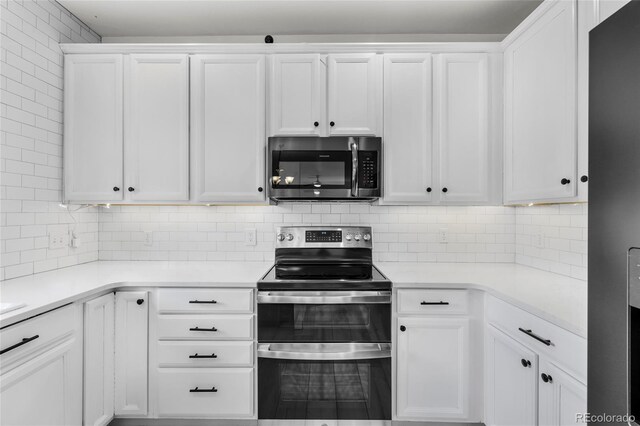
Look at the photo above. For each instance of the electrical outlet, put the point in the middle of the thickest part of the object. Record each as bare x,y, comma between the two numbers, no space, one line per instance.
538,240
148,238
58,240
74,240
443,235
250,237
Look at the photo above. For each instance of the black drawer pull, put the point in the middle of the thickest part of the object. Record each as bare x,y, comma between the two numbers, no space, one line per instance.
434,303
204,301
197,389
24,341
203,329
535,336
196,356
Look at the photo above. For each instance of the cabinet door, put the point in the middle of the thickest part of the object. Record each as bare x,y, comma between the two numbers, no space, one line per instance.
228,122
433,368
157,128
511,391
131,361
93,127
562,397
297,93
461,127
540,109
408,174
46,390
354,94
99,350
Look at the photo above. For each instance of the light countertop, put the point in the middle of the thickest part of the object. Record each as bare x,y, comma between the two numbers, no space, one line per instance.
556,298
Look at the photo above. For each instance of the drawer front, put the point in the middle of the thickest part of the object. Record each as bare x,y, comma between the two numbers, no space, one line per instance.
233,397
205,327
205,354
205,300
565,348
433,301
32,334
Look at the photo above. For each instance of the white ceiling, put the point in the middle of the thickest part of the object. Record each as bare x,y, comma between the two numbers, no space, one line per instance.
188,18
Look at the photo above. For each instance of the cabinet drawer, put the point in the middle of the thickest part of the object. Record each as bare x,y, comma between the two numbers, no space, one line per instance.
205,327
205,354
205,300
233,396
433,301
38,332
565,348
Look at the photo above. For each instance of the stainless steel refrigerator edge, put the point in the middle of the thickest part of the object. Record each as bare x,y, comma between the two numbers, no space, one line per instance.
614,204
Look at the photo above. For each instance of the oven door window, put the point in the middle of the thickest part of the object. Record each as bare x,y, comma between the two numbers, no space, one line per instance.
311,169
297,389
324,323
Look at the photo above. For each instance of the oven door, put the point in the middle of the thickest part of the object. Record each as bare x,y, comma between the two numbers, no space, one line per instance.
324,381
324,316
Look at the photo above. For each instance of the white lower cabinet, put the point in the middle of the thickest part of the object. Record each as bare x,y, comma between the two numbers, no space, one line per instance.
433,368
131,360
41,378
511,371
99,352
562,397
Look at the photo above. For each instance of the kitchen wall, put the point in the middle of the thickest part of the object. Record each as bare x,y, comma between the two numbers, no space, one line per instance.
553,238
31,131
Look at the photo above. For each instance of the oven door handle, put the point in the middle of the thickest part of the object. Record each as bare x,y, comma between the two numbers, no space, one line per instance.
324,352
324,297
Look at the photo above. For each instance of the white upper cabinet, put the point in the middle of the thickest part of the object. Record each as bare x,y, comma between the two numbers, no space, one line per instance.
540,108
407,142
157,127
228,127
297,89
354,94
93,128
462,127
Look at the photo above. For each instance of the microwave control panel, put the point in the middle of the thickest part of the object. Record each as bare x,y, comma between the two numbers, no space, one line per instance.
368,169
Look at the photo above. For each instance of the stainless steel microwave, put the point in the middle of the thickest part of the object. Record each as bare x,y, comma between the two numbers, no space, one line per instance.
336,168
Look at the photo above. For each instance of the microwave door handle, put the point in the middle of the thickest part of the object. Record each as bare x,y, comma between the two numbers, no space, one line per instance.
354,166
323,352
360,297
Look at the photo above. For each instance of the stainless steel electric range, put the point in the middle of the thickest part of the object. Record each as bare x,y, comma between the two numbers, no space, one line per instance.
324,328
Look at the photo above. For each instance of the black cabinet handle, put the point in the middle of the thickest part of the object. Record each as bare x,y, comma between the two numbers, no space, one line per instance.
428,189
260,189
197,389
316,124
332,124
546,378
131,189
24,341
140,301
403,328
434,303
203,301
196,356
445,189
203,329
116,189
565,181
525,363
535,336
584,178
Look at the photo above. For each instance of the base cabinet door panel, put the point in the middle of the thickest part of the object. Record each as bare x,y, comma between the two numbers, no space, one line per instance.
131,359
433,368
408,149
562,397
222,393
99,352
511,381
228,127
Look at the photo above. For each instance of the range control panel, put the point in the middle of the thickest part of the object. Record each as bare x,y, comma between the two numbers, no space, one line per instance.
324,236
